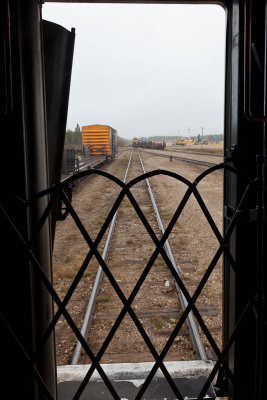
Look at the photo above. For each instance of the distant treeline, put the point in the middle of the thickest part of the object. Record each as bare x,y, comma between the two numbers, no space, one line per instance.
74,137
123,142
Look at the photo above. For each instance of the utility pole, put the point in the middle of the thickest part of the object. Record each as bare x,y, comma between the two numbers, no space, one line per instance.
171,147
202,132
202,137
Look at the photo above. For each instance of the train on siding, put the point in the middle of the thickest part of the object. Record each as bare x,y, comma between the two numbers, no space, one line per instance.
101,139
148,144
99,143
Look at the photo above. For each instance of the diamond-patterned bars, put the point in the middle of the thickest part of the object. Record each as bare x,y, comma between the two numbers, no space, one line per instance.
58,191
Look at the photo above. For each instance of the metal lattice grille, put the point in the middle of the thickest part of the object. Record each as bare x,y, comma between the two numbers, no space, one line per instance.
58,192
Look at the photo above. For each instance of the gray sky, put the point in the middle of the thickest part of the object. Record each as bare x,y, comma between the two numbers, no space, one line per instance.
146,69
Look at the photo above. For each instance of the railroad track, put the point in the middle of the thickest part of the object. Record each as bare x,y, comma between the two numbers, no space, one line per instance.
195,152
128,248
84,163
185,159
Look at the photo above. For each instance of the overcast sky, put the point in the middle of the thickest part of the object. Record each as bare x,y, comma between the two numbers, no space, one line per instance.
146,69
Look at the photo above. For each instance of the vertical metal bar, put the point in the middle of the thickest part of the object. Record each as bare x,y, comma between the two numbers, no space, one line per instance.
249,49
36,171
7,73
25,303
248,78
259,301
264,278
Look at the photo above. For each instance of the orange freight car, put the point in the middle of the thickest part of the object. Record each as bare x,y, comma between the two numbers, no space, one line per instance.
102,139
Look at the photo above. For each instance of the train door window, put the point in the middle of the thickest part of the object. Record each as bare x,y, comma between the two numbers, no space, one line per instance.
155,74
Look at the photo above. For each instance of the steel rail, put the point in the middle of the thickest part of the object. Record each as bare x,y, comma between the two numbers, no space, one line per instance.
96,287
193,330
194,152
191,324
90,161
96,162
189,160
